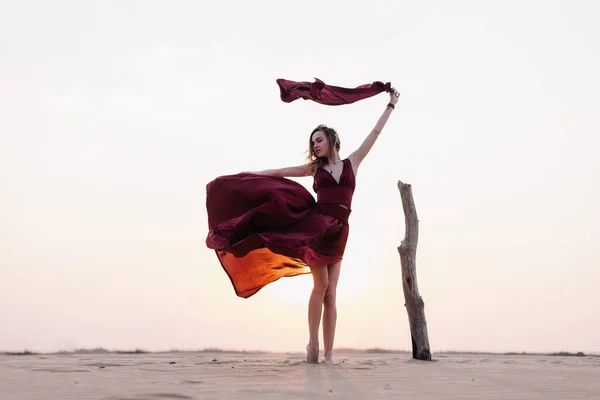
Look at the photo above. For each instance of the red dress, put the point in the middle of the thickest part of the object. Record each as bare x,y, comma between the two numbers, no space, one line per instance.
263,228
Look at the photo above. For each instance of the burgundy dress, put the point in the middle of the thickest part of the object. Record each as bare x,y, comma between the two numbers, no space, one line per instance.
263,227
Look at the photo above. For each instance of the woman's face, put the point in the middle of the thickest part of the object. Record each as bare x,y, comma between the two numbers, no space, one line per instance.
320,144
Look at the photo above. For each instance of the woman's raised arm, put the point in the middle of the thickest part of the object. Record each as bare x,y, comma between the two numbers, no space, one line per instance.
360,153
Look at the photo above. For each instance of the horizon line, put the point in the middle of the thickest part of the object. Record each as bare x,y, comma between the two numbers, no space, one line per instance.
369,350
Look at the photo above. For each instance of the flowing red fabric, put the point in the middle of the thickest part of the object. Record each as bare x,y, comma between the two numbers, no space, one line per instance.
330,95
263,228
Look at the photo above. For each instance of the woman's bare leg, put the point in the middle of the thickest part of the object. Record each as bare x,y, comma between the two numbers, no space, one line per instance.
315,305
330,311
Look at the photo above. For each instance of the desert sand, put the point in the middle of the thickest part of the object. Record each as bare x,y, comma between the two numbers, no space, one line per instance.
221,375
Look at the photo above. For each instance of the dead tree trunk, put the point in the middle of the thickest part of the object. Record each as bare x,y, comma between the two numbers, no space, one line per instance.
414,304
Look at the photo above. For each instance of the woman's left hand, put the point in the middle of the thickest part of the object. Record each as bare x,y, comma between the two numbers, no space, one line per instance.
394,95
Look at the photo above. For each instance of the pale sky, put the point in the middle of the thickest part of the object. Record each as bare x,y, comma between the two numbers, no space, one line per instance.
115,115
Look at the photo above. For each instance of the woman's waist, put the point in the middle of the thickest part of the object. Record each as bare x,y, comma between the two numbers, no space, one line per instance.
337,210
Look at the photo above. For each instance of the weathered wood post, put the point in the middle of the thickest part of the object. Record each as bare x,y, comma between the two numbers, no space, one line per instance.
415,307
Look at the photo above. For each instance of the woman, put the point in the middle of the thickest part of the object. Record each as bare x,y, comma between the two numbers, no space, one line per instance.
264,226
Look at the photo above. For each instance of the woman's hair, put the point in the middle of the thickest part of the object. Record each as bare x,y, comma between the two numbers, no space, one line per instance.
334,144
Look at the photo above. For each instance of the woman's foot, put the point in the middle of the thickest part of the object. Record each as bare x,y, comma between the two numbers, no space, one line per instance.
312,353
329,359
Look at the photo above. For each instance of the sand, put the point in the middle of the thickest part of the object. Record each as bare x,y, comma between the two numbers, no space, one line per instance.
201,375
